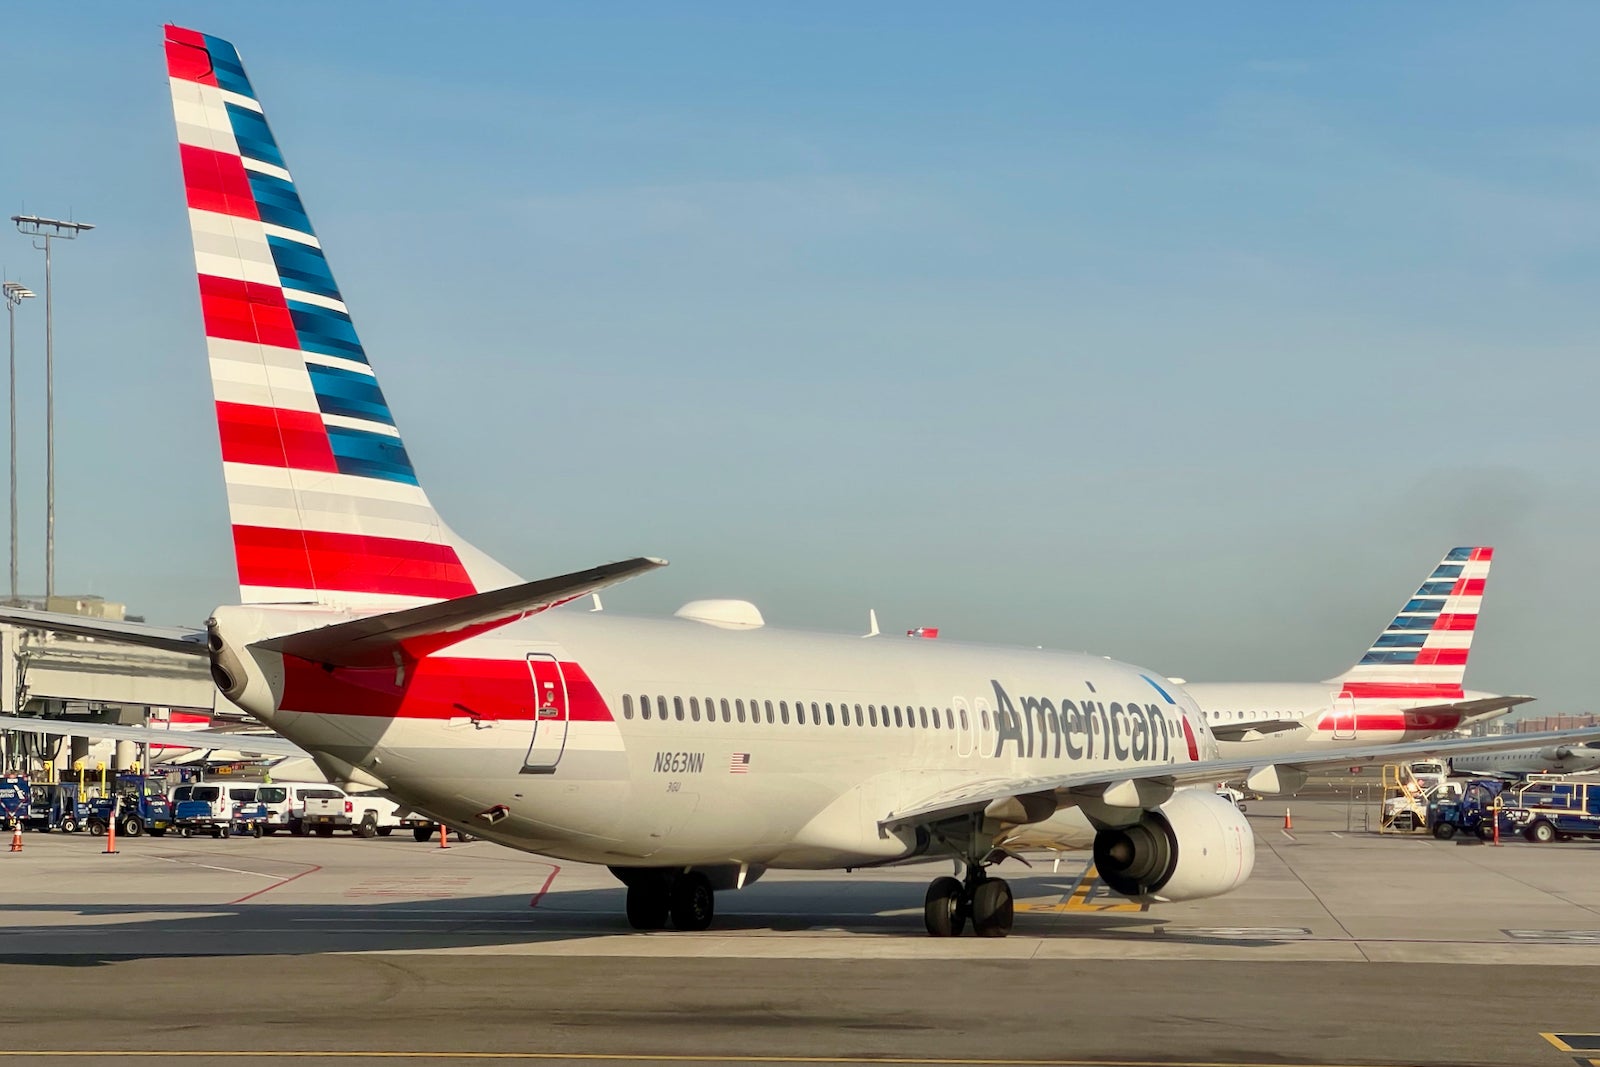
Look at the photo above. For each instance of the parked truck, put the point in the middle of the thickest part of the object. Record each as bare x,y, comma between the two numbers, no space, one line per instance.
363,814
1546,811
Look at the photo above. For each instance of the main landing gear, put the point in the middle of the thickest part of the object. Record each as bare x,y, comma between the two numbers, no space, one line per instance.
951,902
682,899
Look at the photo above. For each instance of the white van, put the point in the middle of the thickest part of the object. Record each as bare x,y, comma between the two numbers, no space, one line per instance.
286,803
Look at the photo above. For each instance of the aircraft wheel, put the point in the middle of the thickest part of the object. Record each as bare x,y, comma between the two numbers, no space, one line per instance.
693,903
942,913
992,908
1444,831
649,903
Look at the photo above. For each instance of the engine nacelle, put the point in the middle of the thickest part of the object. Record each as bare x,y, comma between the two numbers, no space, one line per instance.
1195,845
1554,753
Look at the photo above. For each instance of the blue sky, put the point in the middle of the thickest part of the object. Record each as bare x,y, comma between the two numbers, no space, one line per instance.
1191,334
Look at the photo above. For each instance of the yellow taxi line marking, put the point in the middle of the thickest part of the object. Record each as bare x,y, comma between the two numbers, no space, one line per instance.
615,1057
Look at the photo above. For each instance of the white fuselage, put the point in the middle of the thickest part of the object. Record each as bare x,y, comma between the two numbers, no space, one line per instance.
763,747
1555,759
1267,718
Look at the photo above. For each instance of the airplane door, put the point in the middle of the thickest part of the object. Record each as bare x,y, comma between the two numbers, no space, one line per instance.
966,728
549,715
1344,718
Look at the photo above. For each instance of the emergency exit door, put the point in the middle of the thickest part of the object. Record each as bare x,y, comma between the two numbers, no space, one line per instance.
549,715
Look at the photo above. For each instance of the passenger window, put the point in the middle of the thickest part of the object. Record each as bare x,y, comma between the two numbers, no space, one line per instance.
769,713
830,714
644,707
694,708
860,718
738,709
627,706
727,716
964,718
984,714
783,711
949,719
677,709
872,714
661,709
897,721
816,714
922,716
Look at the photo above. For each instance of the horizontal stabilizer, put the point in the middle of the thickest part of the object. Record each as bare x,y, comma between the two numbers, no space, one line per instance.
248,744
415,632
179,639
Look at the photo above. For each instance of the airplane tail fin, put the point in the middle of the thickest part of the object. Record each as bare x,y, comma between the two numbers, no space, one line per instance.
325,504
1423,653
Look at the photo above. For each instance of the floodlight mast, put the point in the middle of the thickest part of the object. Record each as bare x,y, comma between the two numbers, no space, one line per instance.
16,293
49,230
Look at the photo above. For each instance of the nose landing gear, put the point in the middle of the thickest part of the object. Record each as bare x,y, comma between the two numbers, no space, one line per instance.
986,901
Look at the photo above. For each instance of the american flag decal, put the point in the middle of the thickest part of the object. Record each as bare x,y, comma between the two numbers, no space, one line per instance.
740,763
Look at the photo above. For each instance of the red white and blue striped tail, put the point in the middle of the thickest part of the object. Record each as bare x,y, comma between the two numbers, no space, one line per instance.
325,503
1422,654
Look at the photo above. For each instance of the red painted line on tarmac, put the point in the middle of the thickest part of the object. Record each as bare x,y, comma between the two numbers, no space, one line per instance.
313,869
554,870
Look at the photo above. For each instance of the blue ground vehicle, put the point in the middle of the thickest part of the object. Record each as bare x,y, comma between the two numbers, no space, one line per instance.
137,808
1470,813
1545,811
14,801
57,807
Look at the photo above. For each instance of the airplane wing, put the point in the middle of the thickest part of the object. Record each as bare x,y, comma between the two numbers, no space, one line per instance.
1480,706
181,639
374,641
1134,786
248,744
1250,731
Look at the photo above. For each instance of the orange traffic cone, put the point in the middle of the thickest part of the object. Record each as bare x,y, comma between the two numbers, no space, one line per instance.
16,836
442,832
1288,820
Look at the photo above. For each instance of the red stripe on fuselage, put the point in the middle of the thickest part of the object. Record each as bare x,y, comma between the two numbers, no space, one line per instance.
435,688
216,181
352,563
1422,722
274,437
1188,735
1401,691
187,57
246,311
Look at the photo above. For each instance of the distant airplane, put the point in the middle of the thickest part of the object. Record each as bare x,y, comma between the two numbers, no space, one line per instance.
1521,762
688,754
1407,686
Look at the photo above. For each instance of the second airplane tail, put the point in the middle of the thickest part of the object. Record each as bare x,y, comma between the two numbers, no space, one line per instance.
1422,654
325,504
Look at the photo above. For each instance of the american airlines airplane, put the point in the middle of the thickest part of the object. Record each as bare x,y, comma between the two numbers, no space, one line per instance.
688,754
1521,762
1405,687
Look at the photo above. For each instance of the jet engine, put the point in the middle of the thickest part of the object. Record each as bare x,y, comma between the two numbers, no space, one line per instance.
1195,845
1555,753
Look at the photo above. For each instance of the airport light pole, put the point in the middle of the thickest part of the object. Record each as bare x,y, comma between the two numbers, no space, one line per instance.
49,230
15,295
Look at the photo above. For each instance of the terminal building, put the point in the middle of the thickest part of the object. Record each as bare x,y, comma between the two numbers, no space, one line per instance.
59,676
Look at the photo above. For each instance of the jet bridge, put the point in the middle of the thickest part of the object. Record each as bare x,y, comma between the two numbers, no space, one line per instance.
60,676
